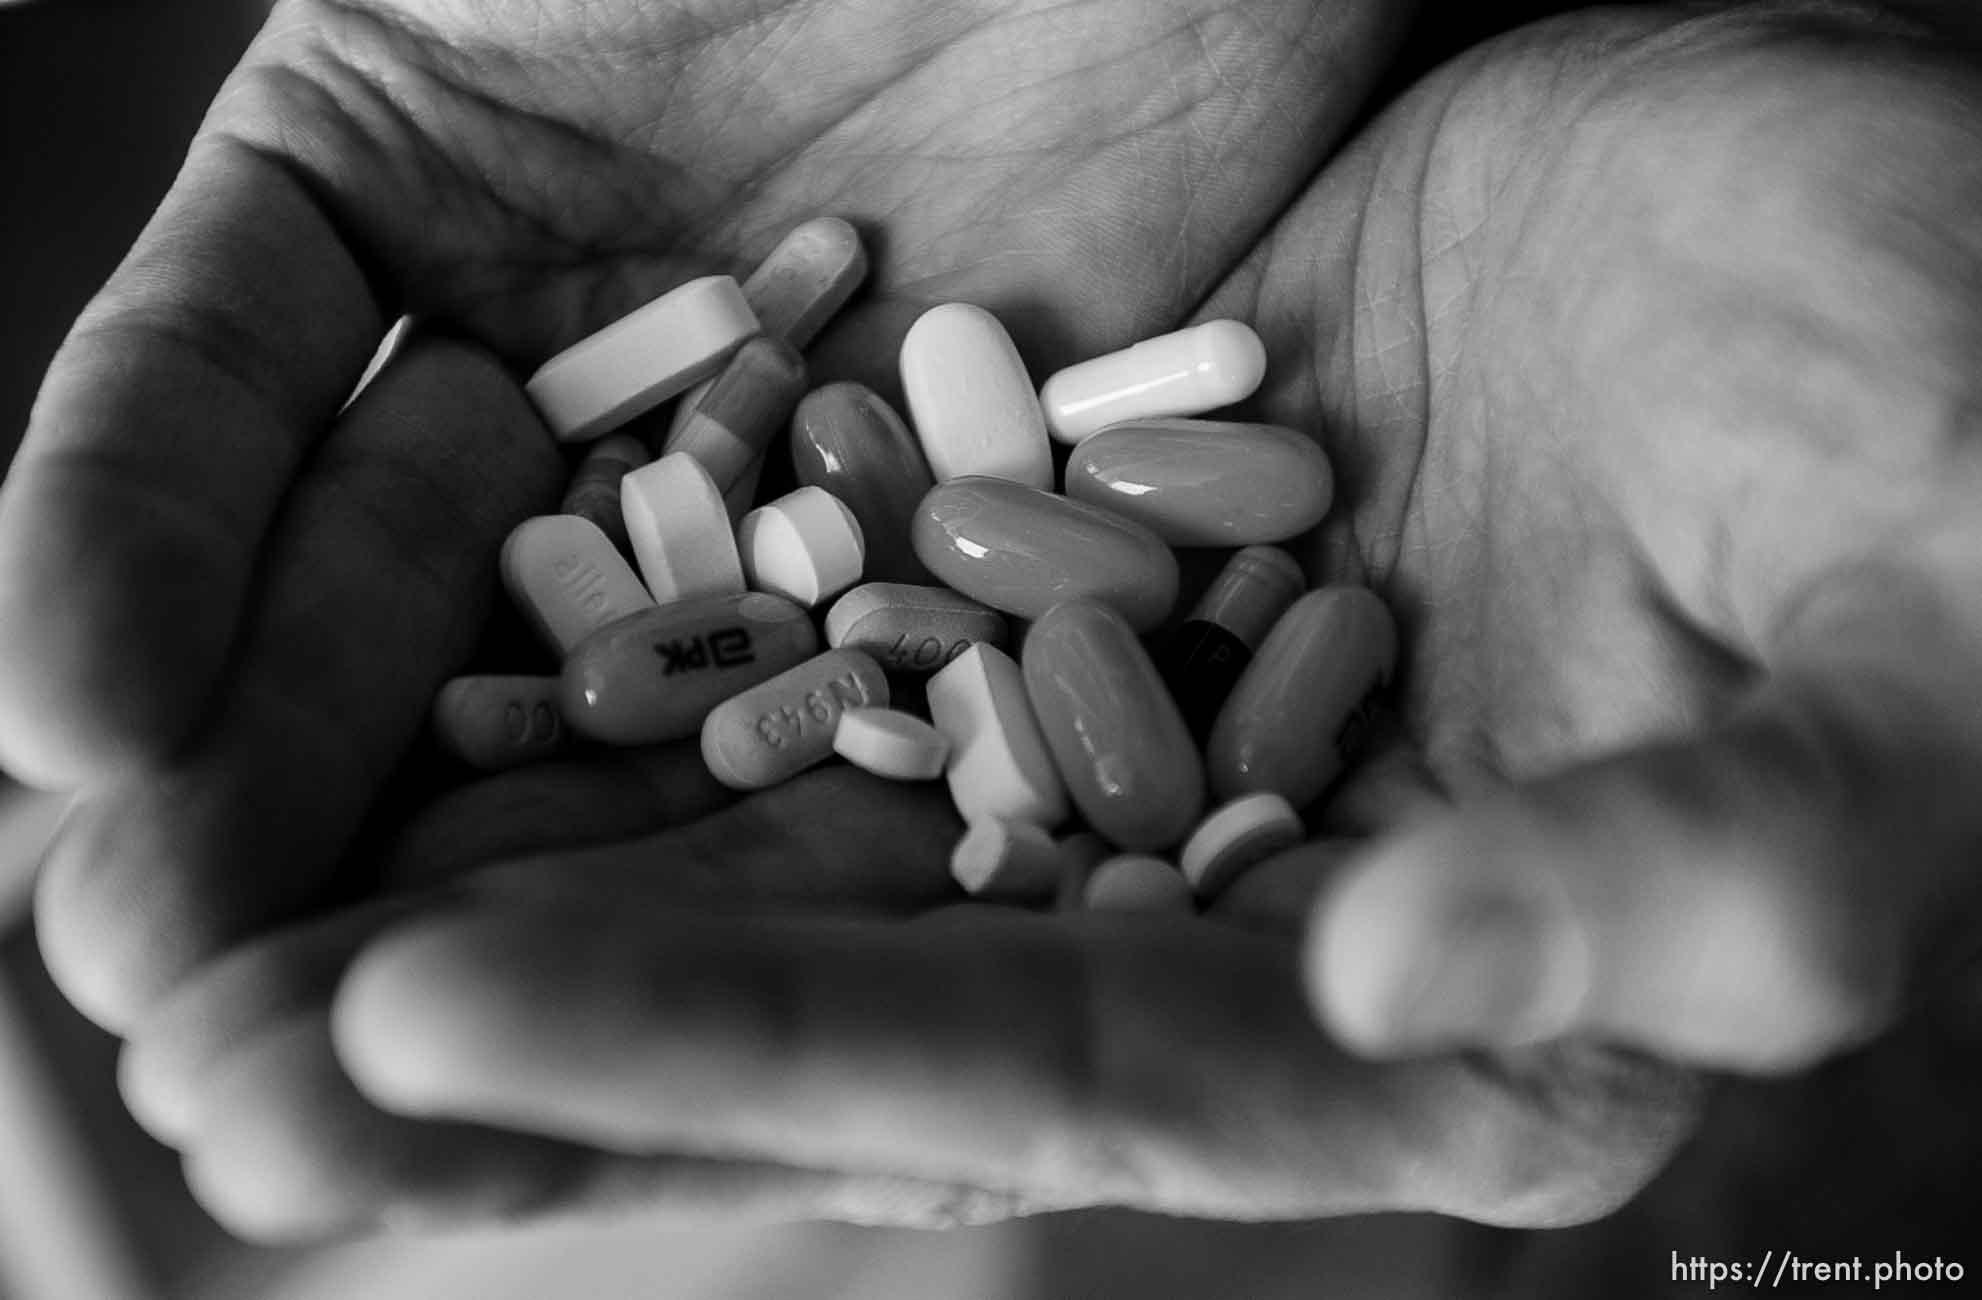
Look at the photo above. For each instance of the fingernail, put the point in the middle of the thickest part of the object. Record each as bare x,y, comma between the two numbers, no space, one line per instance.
1418,951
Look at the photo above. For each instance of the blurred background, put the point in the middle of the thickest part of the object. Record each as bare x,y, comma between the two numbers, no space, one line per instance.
1873,1155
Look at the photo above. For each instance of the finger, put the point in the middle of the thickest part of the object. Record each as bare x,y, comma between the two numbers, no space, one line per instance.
375,585
288,1150
836,837
557,806
167,429
1756,897
770,851
1073,1060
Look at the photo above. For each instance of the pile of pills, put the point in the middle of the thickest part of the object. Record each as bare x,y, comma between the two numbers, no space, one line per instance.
915,558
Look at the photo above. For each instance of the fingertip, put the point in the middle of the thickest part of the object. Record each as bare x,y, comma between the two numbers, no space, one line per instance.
98,936
1437,939
413,1022
110,641
157,1088
264,1159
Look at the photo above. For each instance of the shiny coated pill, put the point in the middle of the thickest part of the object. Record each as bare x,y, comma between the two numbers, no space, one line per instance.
680,531
1298,710
1136,882
805,546
1119,744
774,731
1024,551
743,407
567,578
1199,483
655,676
912,629
999,763
891,744
970,398
1193,370
594,490
642,359
847,440
499,722
1236,838
1007,861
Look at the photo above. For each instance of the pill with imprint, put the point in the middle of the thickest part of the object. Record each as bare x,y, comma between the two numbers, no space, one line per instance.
655,676
776,730
912,629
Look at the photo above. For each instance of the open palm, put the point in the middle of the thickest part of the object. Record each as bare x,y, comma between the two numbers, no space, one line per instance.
226,617
1647,402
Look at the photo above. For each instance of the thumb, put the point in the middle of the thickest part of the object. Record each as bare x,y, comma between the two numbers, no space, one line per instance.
1754,897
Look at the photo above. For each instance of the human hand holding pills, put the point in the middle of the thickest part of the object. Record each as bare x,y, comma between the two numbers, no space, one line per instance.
1528,477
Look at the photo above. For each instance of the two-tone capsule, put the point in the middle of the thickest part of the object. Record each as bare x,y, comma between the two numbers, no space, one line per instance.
1202,657
1023,551
1117,740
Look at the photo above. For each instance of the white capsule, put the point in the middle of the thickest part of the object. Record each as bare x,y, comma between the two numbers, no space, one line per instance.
1006,861
567,579
1237,838
642,359
805,546
1186,373
1136,882
891,744
970,398
680,530
999,764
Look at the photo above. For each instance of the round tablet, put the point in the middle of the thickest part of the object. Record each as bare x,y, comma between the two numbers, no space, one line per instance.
890,743
805,546
1236,838
1136,882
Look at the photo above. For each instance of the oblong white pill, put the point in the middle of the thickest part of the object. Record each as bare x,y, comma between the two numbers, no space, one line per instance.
1007,861
890,743
568,579
1236,838
680,530
642,359
1136,882
970,399
999,765
805,546
1186,373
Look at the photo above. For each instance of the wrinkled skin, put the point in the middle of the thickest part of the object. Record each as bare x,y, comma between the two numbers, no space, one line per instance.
1640,343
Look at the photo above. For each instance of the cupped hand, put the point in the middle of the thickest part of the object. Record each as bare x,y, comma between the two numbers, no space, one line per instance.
1640,344
224,605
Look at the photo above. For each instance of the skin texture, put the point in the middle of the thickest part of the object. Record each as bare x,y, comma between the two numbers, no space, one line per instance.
1640,343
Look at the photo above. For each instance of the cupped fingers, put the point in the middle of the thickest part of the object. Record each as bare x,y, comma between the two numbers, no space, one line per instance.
288,1150
1170,1065
783,849
1756,896
374,585
164,438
